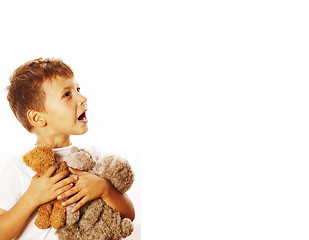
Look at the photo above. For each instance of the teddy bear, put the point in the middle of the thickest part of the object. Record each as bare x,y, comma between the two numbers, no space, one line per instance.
81,160
51,213
96,220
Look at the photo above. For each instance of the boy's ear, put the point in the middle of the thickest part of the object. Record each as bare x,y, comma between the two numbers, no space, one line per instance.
35,118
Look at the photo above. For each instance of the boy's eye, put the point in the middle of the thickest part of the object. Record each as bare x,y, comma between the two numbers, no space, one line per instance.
67,94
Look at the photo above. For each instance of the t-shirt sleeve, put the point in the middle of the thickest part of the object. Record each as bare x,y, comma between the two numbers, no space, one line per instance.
9,187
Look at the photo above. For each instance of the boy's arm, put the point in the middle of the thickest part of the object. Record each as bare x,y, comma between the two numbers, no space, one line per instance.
118,201
12,221
90,187
41,190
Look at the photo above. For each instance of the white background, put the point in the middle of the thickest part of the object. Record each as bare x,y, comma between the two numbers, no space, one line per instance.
224,106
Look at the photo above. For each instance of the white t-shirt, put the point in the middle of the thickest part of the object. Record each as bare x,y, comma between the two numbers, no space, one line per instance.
15,178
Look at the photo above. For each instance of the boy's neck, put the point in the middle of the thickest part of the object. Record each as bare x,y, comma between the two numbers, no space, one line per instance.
54,142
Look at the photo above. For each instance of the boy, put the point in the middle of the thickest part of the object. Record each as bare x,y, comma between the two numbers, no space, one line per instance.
46,99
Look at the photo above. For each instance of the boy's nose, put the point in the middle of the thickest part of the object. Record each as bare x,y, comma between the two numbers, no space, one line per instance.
83,100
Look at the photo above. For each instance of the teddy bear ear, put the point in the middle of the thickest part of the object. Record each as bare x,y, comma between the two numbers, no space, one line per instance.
74,149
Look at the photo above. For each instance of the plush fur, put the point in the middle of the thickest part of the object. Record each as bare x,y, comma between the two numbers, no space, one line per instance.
52,213
96,219
81,160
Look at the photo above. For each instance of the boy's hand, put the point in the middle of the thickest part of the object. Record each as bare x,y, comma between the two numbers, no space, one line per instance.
87,188
45,188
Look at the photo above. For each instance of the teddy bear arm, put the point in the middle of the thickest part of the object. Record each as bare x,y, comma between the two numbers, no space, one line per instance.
72,218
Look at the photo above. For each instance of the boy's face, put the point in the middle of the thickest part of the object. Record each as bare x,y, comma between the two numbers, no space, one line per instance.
65,108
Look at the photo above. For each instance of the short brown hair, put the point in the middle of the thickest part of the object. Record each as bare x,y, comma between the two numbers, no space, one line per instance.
25,90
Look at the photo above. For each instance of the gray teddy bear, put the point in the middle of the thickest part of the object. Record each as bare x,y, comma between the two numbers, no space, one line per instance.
96,220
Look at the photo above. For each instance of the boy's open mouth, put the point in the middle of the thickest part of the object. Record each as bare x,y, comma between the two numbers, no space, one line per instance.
83,117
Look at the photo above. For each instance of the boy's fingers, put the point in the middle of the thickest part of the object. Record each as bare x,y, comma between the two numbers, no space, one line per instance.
79,204
60,175
64,189
75,171
50,171
69,193
73,199
66,181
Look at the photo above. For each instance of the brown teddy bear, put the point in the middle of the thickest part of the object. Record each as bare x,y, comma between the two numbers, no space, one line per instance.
52,213
96,220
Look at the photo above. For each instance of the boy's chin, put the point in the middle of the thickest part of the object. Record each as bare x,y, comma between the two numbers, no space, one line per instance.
81,132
